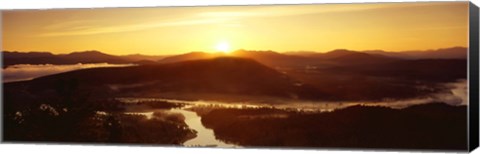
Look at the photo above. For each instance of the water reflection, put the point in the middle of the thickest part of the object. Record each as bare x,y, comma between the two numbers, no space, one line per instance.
205,136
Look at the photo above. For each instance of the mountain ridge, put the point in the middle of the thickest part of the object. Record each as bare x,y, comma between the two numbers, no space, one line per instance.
268,57
225,75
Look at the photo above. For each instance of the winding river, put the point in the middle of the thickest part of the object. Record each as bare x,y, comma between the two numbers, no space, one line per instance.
205,137
456,95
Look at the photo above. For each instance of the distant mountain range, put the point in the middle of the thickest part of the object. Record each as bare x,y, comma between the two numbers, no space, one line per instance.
12,58
331,58
275,59
338,75
270,58
442,53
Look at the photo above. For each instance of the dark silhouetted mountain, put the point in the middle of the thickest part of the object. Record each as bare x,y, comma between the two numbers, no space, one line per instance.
270,58
401,55
397,79
346,57
12,58
145,62
349,57
300,53
140,57
327,55
197,55
273,59
16,54
444,53
226,75
336,54
426,69
431,70
92,57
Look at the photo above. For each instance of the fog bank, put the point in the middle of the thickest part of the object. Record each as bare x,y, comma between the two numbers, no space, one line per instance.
22,72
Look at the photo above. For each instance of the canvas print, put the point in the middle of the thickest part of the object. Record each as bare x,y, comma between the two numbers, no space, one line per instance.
358,76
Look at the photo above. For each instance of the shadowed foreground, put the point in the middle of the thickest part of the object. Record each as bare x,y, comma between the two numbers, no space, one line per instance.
80,106
429,126
80,123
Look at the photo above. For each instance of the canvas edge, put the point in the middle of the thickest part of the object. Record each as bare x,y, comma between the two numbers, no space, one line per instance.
473,86
234,5
473,75
1,79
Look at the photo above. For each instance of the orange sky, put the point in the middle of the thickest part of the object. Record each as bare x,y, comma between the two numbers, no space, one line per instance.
174,30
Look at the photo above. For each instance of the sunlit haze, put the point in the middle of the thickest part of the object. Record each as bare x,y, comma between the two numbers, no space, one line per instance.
176,30
223,47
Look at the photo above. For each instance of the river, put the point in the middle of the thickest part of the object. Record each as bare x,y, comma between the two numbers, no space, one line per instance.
455,94
205,137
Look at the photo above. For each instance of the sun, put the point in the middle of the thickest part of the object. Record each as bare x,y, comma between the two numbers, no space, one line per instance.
223,47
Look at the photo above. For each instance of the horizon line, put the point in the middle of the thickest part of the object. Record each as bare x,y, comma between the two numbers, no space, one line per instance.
262,50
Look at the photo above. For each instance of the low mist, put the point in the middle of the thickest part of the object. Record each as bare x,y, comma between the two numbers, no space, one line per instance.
22,72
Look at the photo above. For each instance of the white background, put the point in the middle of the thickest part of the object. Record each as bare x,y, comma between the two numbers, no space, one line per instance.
86,149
